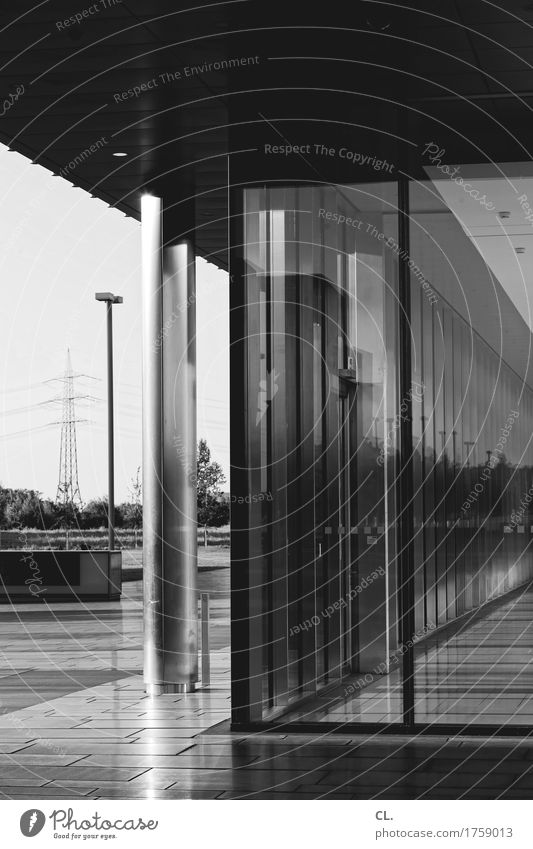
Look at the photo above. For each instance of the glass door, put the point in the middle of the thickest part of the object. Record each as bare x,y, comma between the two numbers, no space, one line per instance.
314,374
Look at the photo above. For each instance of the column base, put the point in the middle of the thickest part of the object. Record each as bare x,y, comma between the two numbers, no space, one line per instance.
163,689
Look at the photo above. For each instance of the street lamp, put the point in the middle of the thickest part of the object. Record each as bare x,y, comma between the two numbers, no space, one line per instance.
110,299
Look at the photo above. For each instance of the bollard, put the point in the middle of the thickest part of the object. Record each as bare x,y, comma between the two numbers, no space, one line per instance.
206,666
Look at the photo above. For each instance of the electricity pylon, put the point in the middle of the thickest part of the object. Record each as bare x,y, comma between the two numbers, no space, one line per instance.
68,487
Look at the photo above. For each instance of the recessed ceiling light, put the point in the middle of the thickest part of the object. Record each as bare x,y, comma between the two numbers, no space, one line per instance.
120,154
520,250
504,214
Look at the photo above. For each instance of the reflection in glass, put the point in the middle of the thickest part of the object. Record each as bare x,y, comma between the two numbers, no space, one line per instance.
319,423
320,270
477,566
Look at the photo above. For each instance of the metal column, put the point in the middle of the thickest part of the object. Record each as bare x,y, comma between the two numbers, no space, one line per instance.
151,237
178,344
169,459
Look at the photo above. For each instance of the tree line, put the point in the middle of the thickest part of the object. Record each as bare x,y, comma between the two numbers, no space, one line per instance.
27,508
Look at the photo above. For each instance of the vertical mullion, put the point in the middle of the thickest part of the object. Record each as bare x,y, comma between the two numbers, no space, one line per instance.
247,575
405,476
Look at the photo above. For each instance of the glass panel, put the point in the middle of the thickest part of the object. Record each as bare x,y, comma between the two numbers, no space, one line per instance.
320,267
476,470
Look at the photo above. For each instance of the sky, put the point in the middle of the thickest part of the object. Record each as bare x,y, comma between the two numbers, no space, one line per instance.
58,246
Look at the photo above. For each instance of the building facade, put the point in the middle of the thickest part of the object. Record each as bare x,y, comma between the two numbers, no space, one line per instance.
395,441
363,174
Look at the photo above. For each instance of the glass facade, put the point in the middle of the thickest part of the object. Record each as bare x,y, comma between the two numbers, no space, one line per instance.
473,470
318,408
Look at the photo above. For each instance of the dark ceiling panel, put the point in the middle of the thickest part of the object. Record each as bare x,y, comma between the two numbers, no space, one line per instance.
331,73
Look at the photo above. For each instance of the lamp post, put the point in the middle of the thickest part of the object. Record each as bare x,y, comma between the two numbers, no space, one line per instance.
110,299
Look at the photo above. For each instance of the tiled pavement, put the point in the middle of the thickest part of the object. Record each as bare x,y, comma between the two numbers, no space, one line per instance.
107,739
50,650
112,741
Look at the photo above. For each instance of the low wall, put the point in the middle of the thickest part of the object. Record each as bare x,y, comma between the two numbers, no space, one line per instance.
27,576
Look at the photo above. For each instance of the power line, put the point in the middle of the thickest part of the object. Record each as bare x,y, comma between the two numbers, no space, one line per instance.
27,430
17,410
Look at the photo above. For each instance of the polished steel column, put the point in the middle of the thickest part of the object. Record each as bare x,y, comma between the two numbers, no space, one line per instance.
151,238
179,467
169,458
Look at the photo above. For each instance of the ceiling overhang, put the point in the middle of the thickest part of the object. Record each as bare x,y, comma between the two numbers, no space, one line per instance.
193,97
